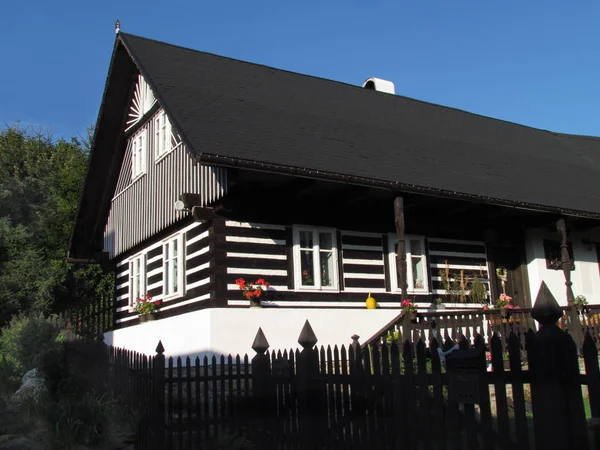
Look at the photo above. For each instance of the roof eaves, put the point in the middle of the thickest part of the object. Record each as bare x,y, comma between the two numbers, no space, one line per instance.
227,161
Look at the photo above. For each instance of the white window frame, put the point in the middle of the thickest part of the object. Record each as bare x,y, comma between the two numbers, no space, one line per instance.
162,134
392,246
316,260
134,294
139,151
167,266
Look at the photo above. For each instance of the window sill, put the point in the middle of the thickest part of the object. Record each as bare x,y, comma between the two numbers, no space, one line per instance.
311,289
133,180
172,297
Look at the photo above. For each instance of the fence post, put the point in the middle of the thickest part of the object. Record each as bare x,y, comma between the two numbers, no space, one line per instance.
308,389
158,387
263,410
558,414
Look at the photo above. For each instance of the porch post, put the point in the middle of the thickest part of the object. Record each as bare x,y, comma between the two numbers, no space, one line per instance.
566,265
401,250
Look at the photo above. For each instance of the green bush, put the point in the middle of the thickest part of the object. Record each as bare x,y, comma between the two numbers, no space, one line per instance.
25,343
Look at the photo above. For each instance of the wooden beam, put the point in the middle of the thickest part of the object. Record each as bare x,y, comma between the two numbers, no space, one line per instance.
401,250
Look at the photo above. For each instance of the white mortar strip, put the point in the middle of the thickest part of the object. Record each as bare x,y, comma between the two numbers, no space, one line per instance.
154,272
264,226
198,253
196,269
455,241
365,276
154,259
123,285
155,285
123,296
363,262
234,287
255,240
123,274
464,254
198,283
365,290
459,266
186,302
255,255
316,304
197,238
372,248
265,272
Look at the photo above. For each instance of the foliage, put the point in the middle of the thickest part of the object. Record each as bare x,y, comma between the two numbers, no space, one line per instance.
252,290
408,306
504,301
580,300
40,186
478,291
27,343
145,304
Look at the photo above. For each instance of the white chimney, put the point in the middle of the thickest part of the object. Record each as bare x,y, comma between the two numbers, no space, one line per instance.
377,84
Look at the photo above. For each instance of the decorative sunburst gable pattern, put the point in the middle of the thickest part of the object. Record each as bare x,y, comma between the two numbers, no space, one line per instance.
457,257
142,102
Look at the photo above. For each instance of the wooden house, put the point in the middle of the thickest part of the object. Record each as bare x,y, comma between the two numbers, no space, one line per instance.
206,169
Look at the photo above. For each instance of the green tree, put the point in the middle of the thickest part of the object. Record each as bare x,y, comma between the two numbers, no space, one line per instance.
40,186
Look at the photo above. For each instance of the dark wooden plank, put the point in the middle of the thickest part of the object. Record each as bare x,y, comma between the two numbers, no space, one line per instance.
521,428
437,409
179,403
222,389
358,359
409,395
500,391
422,385
206,399
379,435
592,372
170,411
386,385
188,387
214,414
485,410
197,400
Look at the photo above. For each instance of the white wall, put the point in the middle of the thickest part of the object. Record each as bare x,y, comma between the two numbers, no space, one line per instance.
232,330
585,277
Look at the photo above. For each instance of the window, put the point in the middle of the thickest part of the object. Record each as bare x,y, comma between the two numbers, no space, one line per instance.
137,278
173,260
162,135
416,264
138,154
315,258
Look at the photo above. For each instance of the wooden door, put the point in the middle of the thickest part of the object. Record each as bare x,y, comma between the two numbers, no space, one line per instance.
509,256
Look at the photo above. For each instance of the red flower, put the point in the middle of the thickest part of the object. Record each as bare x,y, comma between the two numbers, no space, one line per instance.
267,284
305,272
485,307
258,293
260,281
157,302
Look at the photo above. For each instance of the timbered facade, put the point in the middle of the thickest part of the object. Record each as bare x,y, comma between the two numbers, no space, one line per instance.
205,170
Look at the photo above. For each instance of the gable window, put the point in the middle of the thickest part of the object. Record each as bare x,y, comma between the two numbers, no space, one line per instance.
138,153
162,135
416,264
137,278
173,260
315,258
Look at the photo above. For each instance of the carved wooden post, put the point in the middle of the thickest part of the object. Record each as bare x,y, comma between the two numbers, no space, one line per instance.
401,250
159,397
263,411
308,395
558,414
566,265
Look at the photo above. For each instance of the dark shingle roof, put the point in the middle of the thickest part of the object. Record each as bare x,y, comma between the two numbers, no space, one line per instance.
249,112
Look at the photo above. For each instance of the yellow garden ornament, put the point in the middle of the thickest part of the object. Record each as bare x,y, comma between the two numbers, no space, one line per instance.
371,303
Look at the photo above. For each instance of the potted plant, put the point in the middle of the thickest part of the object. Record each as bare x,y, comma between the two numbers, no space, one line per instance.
146,308
580,302
253,291
409,309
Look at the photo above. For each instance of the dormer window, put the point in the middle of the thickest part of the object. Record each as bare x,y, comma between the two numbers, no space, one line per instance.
162,135
138,153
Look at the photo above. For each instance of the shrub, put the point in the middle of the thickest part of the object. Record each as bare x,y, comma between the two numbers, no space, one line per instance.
25,343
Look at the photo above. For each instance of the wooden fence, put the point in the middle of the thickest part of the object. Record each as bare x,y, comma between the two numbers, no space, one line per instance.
440,394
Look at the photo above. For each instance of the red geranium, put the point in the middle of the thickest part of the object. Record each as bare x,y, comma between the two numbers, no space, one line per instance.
252,290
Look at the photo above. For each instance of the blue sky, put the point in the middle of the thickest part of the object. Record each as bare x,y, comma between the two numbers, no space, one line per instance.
532,62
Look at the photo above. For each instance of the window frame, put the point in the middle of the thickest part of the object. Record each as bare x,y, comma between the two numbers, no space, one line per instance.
335,285
162,127
179,239
143,285
142,153
392,246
